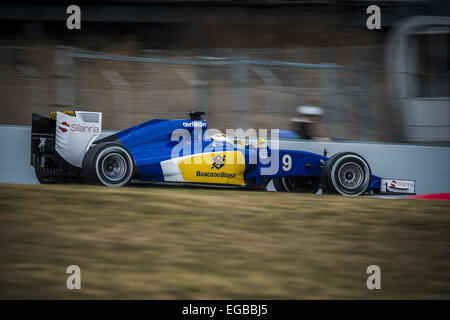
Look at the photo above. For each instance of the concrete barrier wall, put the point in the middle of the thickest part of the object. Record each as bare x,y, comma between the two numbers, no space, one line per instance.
429,166
15,155
15,144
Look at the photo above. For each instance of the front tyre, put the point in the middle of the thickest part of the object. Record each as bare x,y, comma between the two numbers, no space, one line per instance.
109,164
346,173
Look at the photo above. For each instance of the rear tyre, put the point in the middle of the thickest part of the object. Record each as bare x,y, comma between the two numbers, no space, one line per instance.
45,176
109,164
346,173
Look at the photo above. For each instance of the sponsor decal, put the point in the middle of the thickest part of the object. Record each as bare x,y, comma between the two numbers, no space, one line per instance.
216,175
219,162
42,142
401,184
84,128
213,168
194,124
63,127
69,113
398,186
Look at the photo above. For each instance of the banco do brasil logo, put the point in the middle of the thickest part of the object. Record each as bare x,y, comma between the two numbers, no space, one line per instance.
219,162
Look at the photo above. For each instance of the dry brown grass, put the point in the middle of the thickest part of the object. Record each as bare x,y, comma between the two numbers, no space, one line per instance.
180,243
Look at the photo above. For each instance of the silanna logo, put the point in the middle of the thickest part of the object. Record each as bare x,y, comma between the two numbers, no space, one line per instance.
219,162
393,184
84,128
63,127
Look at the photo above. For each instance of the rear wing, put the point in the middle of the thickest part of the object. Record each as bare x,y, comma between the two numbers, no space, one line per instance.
67,134
75,134
43,137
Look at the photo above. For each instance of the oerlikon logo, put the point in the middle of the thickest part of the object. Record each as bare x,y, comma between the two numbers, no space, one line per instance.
63,126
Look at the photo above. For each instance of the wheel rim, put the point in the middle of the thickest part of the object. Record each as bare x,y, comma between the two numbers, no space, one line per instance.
344,185
114,166
122,166
350,175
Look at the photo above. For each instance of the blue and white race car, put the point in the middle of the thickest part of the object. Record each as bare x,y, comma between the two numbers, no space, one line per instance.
69,147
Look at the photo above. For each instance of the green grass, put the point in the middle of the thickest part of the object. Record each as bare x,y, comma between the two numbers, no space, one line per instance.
181,243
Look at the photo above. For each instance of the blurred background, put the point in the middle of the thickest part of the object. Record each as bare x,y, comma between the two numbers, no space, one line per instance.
247,64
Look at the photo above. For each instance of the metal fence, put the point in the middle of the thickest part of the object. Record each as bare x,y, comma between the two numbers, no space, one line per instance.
234,87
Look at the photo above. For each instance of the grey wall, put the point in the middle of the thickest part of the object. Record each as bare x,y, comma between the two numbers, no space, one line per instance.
15,155
429,166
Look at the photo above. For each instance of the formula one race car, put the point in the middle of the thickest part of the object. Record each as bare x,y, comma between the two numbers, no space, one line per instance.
68,147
